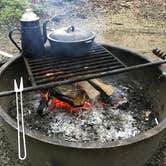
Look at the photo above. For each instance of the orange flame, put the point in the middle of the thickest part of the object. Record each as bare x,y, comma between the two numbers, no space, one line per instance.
56,103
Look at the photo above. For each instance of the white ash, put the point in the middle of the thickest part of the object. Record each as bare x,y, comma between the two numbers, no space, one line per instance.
101,125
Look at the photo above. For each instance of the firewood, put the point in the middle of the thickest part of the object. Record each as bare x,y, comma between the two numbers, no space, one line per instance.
102,87
70,94
91,92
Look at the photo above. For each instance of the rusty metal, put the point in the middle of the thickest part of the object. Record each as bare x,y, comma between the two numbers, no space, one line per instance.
79,77
52,68
47,72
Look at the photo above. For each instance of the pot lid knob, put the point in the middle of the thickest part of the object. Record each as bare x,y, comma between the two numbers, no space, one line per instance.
70,29
29,16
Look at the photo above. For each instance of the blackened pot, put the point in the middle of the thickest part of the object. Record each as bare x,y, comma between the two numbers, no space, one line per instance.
70,41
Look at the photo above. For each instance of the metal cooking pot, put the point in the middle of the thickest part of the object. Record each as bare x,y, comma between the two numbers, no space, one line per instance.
70,41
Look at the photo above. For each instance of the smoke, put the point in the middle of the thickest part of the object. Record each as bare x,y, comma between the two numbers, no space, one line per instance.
79,13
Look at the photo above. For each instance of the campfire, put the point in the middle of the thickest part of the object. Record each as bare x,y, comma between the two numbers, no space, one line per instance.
77,97
92,110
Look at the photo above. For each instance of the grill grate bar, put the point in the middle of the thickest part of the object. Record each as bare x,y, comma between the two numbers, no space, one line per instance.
72,69
75,67
93,52
68,59
48,69
74,63
74,75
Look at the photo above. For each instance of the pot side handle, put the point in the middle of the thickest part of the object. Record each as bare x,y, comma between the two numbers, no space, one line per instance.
11,38
89,41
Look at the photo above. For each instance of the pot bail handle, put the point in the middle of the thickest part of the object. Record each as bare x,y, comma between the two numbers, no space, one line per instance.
70,29
11,38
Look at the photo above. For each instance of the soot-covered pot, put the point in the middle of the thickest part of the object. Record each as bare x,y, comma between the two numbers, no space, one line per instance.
70,41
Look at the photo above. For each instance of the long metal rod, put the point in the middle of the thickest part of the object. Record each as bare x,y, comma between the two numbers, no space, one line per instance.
86,77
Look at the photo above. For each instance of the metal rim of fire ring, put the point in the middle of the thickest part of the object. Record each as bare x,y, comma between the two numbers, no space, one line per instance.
91,145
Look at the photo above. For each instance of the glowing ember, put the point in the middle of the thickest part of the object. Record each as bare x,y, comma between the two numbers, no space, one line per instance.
119,99
56,103
59,104
103,103
50,74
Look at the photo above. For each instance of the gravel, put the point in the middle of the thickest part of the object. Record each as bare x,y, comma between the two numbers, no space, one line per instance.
8,157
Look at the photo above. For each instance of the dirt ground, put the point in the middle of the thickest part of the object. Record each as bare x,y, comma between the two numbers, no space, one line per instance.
139,25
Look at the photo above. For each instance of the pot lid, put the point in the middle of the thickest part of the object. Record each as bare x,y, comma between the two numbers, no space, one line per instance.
29,15
70,34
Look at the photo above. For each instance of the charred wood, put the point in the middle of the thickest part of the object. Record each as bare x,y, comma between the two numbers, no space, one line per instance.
102,87
68,93
91,92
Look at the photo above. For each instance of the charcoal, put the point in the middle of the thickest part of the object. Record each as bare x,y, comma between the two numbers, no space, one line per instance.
43,105
123,105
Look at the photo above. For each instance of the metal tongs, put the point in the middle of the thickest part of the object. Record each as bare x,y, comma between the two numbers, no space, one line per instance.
19,91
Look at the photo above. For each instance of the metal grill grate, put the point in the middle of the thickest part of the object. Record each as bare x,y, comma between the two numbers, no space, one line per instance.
49,69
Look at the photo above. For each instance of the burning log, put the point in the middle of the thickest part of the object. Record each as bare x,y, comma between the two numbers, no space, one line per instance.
65,96
91,92
69,97
56,103
75,96
102,87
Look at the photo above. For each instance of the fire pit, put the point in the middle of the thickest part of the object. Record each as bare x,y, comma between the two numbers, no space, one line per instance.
130,151
87,111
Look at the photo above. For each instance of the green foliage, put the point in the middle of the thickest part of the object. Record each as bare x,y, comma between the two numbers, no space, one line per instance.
11,11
